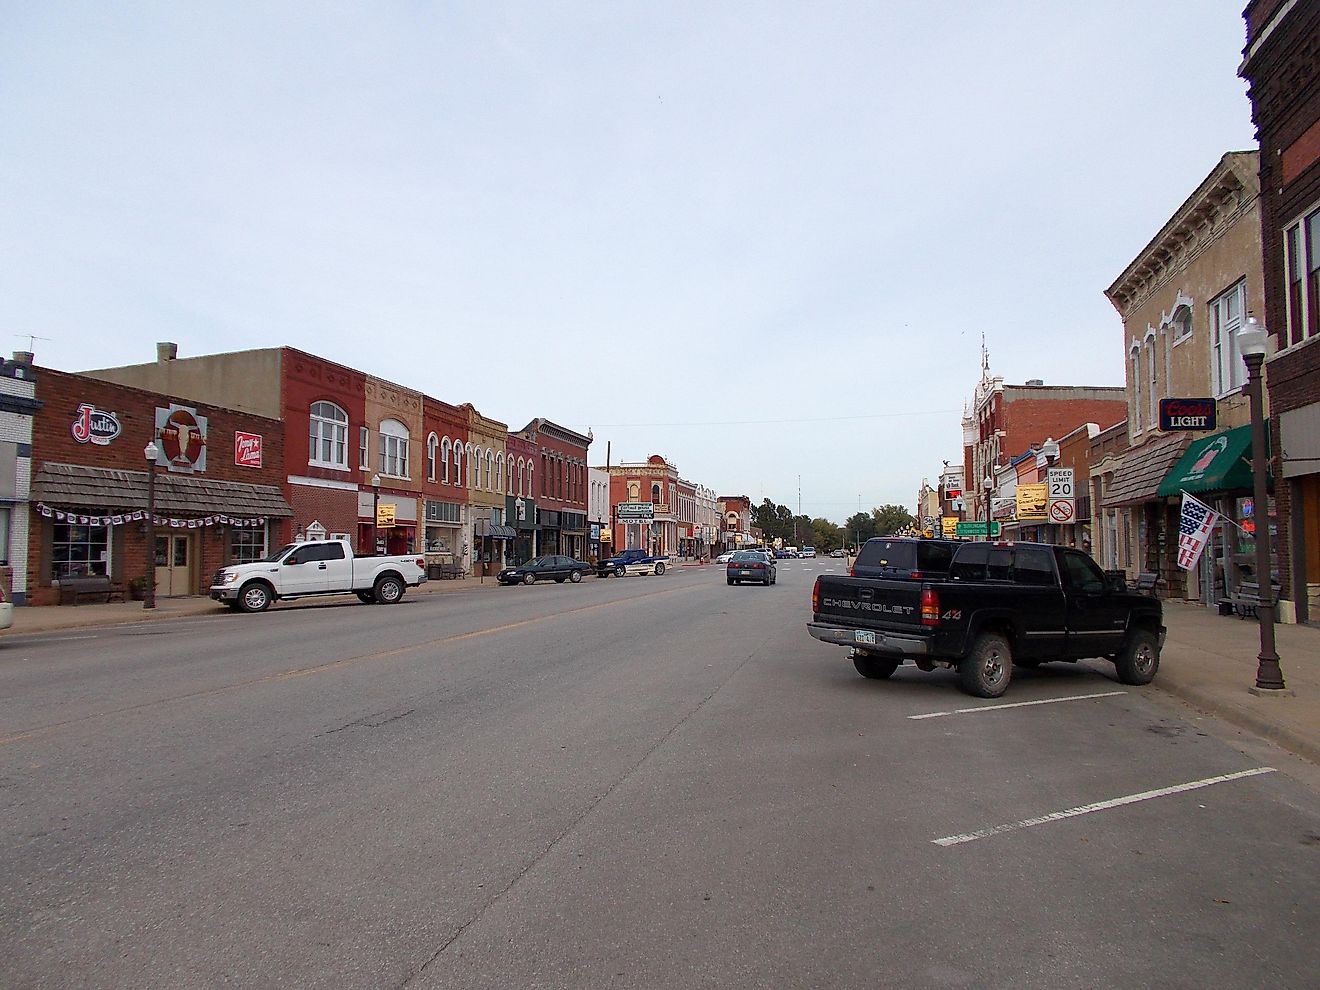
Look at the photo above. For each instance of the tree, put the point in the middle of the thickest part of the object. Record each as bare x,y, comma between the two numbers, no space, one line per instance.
890,519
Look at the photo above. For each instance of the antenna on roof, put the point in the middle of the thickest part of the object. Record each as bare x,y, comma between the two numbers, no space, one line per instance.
32,339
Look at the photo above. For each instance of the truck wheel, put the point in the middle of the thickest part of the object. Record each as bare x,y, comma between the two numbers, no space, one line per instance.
388,590
367,597
1137,662
529,578
659,567
620,571
986,671
254,597
575,576
730,581
875,668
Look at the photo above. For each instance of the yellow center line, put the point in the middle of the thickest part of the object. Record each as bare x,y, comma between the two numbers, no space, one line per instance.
341,664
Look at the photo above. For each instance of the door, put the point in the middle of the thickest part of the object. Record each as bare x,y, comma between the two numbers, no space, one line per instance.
336,567
1097,617
174,565
303,572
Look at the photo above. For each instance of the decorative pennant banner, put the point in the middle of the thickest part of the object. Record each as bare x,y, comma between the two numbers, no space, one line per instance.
139,515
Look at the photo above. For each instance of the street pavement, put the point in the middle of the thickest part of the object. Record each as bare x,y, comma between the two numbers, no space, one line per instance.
1209,661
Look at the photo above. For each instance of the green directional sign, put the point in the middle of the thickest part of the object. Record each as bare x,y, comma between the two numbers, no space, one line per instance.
977,529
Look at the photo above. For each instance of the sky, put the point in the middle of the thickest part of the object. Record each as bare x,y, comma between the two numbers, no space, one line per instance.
762,239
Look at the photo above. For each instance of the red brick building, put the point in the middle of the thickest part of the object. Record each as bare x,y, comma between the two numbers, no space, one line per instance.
1282,69
561,488
218,493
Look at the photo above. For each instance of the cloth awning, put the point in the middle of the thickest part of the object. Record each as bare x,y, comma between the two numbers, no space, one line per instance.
498,532
113,490
1139,472
1218,463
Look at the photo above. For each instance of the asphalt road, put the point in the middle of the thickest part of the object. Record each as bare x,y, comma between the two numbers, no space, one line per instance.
647,782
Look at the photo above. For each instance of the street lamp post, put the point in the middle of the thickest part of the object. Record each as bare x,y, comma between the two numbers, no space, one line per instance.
1252,340
149,588
375,510
988,484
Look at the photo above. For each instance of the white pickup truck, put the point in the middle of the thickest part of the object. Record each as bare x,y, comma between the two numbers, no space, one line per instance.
320,567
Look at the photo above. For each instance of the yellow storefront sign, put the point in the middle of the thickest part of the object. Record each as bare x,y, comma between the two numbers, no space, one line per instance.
385,514
1032,502
950,526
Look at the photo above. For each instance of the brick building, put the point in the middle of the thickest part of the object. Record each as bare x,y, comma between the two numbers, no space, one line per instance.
18,404
1282,68
1004,421
1182,300
218,495
735,521
561,492
654,480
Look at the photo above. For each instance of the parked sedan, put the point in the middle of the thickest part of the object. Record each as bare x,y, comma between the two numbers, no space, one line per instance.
751,565
724,558
548,568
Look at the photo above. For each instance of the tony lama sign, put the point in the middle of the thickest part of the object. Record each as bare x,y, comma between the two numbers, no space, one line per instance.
1187,414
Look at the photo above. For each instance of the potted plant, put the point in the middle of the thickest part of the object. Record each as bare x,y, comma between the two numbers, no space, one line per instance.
137,589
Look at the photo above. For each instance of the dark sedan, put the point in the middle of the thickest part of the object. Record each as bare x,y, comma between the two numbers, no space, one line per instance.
548,568
751,565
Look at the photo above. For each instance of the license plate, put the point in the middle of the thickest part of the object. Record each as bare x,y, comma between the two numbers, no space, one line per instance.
862,636
744,573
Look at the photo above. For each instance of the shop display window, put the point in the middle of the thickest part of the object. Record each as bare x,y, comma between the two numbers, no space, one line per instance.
80,551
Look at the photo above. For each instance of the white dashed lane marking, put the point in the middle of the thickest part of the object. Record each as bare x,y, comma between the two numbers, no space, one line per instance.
1016,704
1086,809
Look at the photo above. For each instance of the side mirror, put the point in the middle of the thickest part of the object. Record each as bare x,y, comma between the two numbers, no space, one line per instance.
292,559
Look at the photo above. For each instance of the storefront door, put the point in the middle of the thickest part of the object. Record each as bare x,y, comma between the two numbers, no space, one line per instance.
174,554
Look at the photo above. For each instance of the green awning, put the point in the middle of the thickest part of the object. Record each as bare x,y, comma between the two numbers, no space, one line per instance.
1219,463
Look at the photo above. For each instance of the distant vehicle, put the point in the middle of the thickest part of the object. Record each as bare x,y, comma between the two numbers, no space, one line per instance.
724,558
807,553
317,567
904,557
782,555
751,565
549,568
839,553
632,561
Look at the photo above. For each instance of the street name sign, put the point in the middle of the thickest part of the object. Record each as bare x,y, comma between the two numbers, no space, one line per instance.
634,510
976,529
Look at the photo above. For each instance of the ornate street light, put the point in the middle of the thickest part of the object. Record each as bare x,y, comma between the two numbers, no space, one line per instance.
375,510
1252,341
150,452
988,484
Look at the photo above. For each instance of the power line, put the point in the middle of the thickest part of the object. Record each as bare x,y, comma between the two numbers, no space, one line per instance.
766,422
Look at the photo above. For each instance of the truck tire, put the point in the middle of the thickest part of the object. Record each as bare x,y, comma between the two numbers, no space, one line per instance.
575,576
367,597
529,578
388,590
987,669
659,567
730,581
620,570
255,596
1139,659
875,668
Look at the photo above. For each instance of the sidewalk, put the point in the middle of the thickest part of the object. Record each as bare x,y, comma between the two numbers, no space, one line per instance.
1208,661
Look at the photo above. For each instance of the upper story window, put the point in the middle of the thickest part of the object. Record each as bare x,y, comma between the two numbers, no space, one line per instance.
1135,378
499,472
490,470
1302,258
446,448
432,448
364,447
655,494
1182,323
327,436
458,462
1152,382
1227,370
393,448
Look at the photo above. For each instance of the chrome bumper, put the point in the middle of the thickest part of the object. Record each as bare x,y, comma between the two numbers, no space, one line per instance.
890,643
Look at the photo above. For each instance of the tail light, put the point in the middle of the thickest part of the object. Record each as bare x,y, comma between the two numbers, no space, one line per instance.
421,562
915,575
815,596
852,569
930,607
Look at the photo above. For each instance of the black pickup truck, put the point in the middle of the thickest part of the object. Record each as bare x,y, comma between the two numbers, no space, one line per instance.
1002,604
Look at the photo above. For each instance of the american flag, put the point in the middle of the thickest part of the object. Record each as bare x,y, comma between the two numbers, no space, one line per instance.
1194,528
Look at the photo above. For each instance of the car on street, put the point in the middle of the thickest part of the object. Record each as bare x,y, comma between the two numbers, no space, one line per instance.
783,555
6,610
839,553
724,558
751,565
807,553
551,567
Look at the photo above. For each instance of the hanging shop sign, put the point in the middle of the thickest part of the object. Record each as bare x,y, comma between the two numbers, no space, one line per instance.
1032,502
182,439
1187,414
95,426
385,514
247,449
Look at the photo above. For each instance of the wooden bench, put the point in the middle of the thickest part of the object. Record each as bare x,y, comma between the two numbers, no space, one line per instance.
96,588
451,572
1246,600
1147,583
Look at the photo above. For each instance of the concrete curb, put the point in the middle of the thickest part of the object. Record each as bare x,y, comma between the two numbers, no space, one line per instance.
1244,718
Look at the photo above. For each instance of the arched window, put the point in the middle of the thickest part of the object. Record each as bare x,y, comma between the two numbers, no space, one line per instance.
531,479
544,475
655,494
471,461
490,470
393,448
432,446
458,462
478,458
499,472
522,473
327,436
508,483
1182,322
1136,388
446,448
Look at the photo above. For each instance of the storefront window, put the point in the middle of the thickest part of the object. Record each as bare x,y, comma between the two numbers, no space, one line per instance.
1245,539
78,551
247,545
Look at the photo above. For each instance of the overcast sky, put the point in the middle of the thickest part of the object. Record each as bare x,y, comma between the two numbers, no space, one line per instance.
762,239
